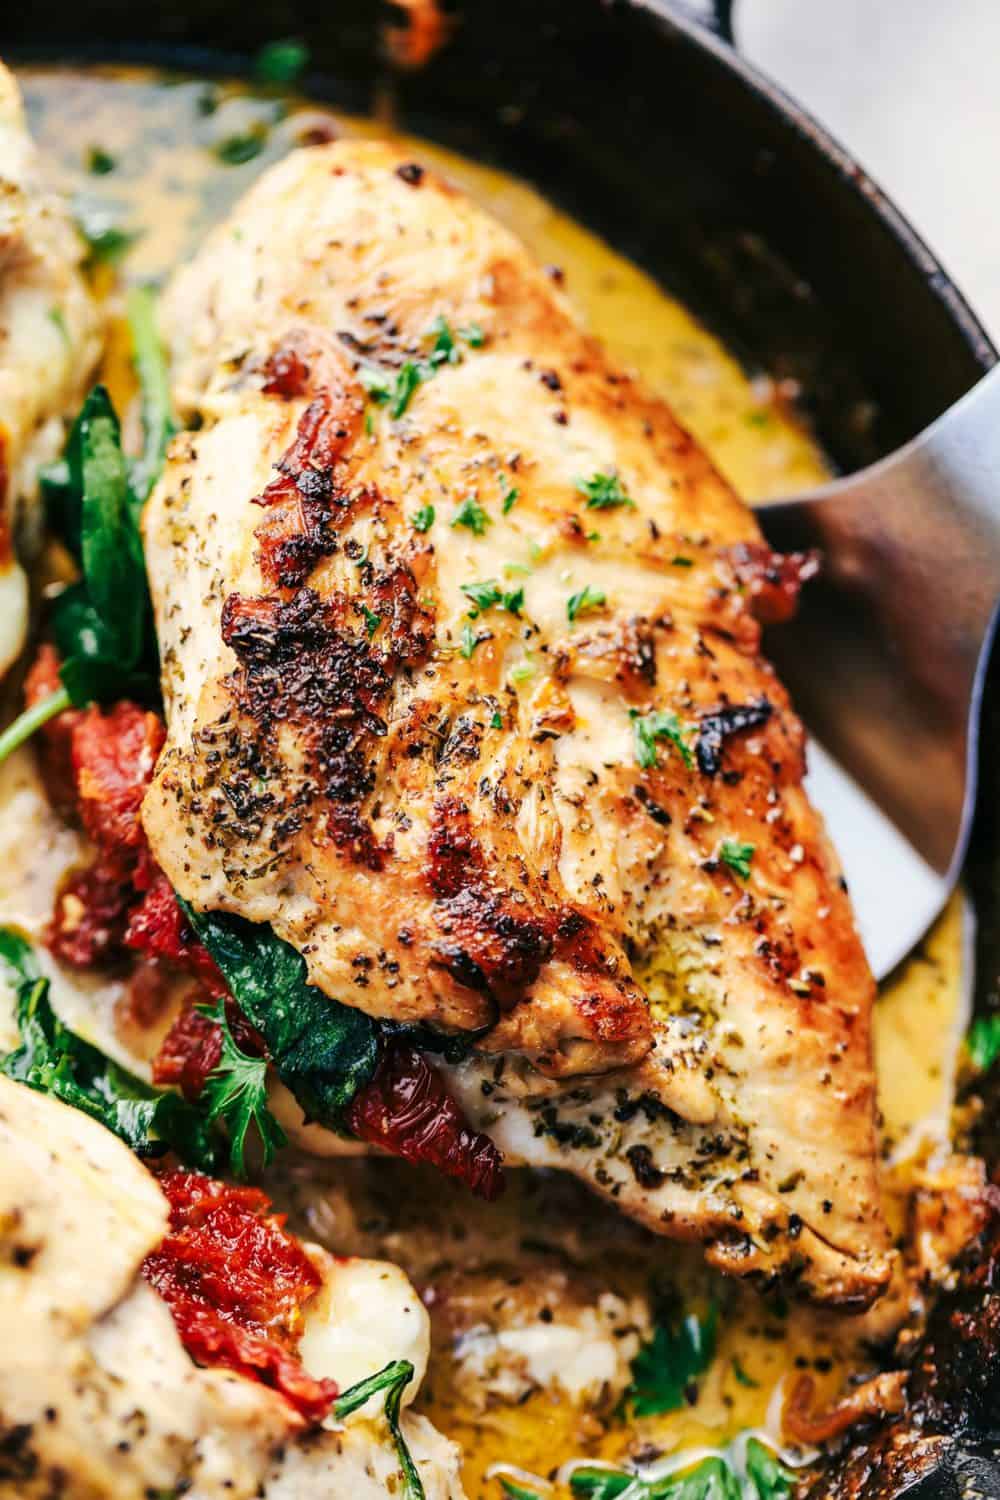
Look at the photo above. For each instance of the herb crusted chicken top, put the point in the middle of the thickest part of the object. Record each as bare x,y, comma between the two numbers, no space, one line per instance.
460,635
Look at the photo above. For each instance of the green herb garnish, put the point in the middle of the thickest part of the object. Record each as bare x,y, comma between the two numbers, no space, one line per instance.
106,241
664,1368
585,602
444,350
488,593
322,1051
236,1093
660,725
99,161
237,150
509,498
469,641
983,1041
393,1380
517,1491
423,519
737,856
769,1477
372,620
473,335
471,515
54,1060
741,1375
281,63
603,492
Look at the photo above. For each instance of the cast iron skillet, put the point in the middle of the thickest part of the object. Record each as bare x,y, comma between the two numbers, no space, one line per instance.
653,131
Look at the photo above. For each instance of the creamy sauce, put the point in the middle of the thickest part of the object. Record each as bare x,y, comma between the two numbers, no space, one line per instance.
167,183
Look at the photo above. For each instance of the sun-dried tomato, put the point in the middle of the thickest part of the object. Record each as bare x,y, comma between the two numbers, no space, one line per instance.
407,1110
236,1283
192,1047
91,911
53,743
114,756
158,928
773,580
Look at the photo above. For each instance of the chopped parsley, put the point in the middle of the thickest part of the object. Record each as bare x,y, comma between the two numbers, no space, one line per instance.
99,161
396,390
423,519
603,492
523,672
281,62
665,1368
737,856
236,150
372,620
469,642
473,335
682,562
649,729
509,497
408,378
236,1093
106,241
496,722
742,1377
983,1041
486,594
471,515
444,350
585,602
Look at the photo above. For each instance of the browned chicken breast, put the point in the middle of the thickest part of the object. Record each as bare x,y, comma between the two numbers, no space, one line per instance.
461,641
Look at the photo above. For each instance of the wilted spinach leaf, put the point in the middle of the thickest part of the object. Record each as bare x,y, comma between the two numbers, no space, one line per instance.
55,1061
322,1051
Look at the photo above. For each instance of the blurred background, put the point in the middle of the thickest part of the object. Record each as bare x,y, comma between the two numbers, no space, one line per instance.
911,88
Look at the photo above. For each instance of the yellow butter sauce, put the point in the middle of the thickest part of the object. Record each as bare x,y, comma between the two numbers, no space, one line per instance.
171,150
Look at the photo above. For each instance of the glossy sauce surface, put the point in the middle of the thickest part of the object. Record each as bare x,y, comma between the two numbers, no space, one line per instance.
161,159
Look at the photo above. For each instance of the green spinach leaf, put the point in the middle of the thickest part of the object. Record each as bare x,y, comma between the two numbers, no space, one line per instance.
322,1051
55,1061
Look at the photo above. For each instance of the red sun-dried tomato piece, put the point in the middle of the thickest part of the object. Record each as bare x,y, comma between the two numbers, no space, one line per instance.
407,1110
192,1047
91,911
158,928
236,1283
114,756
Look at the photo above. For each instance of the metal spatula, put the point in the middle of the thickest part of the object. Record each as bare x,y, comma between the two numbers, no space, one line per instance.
887,657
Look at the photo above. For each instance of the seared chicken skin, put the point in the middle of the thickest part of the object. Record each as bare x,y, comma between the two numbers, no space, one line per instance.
49,344
98,1397
464,698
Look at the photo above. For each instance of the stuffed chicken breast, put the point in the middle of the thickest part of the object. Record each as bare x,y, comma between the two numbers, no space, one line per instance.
464,694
